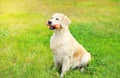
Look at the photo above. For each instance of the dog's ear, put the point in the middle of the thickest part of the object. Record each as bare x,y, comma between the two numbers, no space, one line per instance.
65,21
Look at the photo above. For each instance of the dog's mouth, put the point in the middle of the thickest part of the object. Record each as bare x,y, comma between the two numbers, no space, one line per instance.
52,27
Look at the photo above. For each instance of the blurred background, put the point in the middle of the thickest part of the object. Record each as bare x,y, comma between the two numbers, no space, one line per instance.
24,37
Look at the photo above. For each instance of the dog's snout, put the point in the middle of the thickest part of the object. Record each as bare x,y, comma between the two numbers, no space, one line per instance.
49,22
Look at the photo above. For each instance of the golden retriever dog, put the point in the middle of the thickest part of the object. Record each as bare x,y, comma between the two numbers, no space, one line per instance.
68,53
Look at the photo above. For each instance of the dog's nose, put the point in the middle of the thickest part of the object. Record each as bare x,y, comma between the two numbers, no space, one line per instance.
49,22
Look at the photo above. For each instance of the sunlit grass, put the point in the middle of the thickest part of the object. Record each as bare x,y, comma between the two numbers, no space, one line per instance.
24,37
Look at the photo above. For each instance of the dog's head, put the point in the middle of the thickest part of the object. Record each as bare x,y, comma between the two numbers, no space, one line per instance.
58,21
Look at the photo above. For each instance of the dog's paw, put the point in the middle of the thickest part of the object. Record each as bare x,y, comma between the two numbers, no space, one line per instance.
82,69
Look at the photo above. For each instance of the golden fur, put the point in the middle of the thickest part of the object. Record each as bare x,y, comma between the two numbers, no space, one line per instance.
67,52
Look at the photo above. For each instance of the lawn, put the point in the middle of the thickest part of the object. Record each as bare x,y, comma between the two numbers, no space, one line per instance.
24,37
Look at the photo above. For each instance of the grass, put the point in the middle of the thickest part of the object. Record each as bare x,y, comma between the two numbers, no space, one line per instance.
24,37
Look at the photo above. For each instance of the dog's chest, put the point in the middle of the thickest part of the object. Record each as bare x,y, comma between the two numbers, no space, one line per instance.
56,42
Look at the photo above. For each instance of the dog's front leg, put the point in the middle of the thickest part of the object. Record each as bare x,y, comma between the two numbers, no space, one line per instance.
57,62
65,66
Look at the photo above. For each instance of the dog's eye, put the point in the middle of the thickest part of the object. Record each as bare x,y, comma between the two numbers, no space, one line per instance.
57,19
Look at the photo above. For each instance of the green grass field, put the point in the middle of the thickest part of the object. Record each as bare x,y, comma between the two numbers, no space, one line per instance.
24,37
